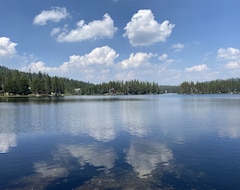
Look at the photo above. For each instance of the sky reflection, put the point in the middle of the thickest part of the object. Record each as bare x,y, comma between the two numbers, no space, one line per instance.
7,141
61,164
145,156
88,142
48,171
103,120
95,155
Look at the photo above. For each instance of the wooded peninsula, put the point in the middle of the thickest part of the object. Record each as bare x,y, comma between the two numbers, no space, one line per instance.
14,82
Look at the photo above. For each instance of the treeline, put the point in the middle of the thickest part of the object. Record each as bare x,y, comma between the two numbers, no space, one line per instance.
212,87
14,82
133,87
22,83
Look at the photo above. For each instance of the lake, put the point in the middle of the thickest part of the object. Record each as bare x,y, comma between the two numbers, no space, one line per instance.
165,141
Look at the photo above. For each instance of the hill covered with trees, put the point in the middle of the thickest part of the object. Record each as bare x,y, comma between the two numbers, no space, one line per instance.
14,82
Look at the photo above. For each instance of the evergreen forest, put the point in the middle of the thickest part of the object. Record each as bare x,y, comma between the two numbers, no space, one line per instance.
14,82
211,87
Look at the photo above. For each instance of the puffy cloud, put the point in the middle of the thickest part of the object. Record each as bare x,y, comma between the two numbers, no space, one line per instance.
231,55
40,66
228,54
178,47
96,29
100,65
99,56
164,58
232,65
7,47
97,61
144,30
56,14
197,68
136,60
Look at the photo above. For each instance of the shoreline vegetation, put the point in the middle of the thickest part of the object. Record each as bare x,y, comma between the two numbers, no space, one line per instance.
17,83
14,83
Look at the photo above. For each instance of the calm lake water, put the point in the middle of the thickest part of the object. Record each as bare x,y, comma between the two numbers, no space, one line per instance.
120,142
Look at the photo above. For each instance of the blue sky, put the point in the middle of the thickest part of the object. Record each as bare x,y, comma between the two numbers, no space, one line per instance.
166,41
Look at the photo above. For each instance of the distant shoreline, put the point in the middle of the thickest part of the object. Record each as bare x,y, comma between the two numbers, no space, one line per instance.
31,96
63,95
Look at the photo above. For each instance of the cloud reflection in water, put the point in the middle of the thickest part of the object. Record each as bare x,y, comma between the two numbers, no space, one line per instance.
145,156
7,140
94,155
46,170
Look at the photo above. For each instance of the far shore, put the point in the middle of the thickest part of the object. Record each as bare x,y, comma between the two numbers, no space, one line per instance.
29,96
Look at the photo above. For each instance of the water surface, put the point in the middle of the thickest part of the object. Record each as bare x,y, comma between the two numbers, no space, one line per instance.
120,142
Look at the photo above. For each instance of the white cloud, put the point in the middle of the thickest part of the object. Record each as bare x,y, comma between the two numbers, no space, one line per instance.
7,47
99,56
56,14
228,54
97,61
231,56
232,65
100,65
136,60
198,68
178,47
55,31
40,66
144,30
125,76
96,29
164,58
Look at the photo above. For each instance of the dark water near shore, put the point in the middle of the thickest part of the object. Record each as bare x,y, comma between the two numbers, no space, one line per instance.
120,142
